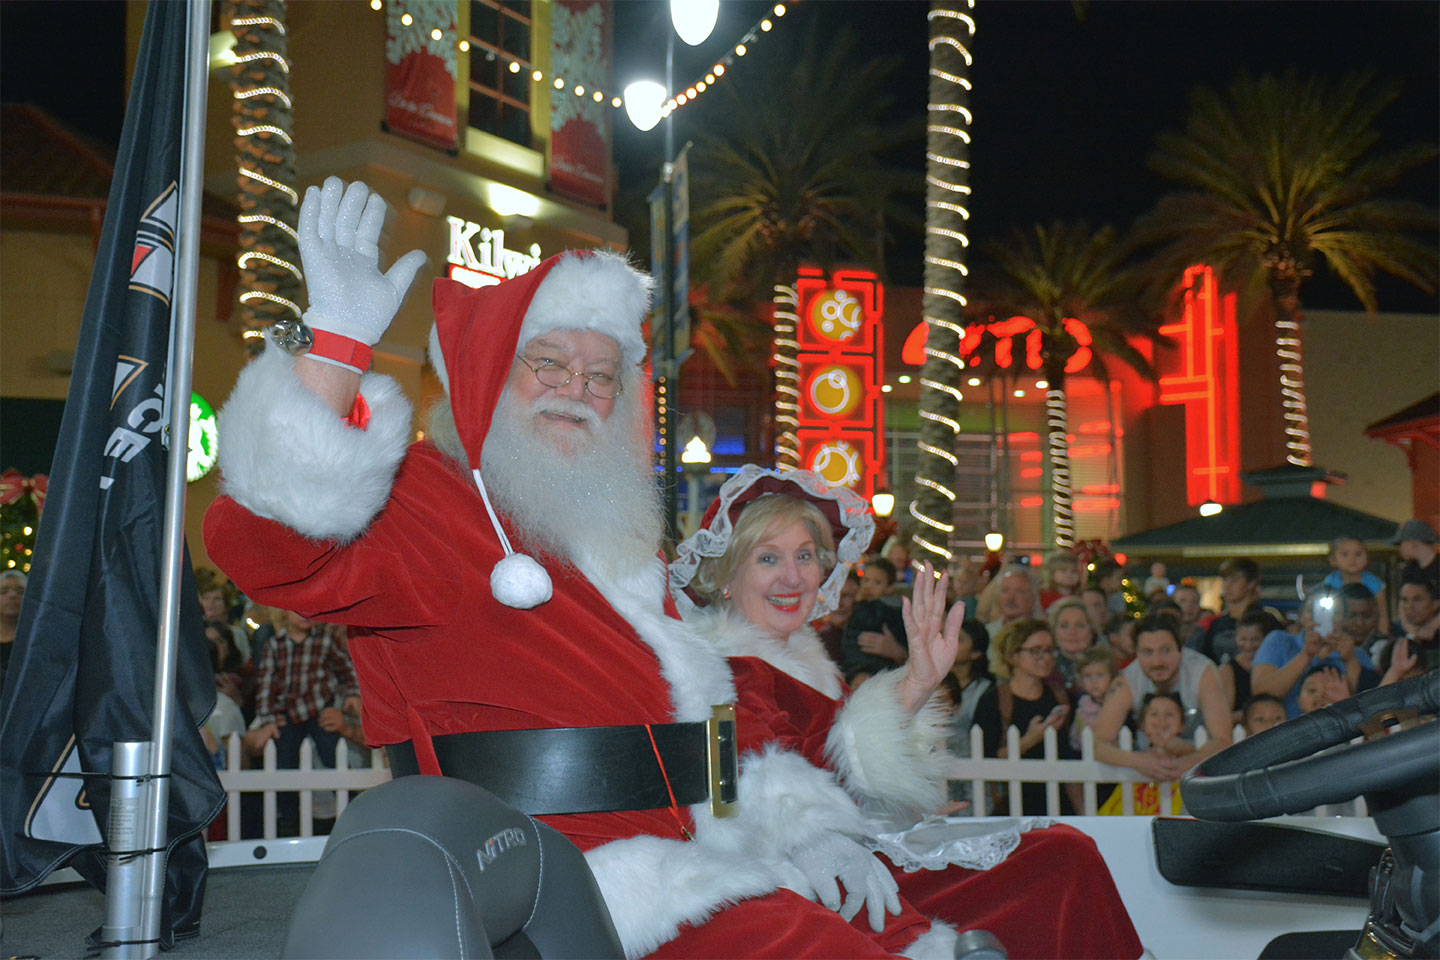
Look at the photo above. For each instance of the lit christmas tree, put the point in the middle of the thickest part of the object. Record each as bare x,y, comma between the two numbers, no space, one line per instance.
21,499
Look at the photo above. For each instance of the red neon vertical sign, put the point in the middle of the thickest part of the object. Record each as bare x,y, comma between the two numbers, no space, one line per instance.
1207,383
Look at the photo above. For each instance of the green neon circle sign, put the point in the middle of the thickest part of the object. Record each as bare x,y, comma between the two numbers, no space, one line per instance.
204,444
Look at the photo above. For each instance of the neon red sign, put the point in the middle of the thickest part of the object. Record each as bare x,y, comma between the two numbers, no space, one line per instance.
1004,333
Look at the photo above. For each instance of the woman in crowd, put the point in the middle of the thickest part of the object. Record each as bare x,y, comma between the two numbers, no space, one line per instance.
1070,626
1163,665
769,558
1028,697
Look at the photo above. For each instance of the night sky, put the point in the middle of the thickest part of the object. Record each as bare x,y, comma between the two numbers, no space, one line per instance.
1066,108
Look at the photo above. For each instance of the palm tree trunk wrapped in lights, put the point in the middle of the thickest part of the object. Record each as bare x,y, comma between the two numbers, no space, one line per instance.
265,156
947,151
787,374
1062,511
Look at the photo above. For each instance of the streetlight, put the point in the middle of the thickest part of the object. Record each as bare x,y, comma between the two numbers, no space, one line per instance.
884,503
1209,508
693,20
994,541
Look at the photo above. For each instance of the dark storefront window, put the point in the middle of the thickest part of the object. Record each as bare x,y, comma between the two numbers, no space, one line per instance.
499,97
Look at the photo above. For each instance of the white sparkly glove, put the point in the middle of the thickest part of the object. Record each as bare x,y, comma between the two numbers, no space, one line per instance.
339,235
836,857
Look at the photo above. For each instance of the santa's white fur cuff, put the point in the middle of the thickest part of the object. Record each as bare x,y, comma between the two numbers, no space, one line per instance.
287,456
896,764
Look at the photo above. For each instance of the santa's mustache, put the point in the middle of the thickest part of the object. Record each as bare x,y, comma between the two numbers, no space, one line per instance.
565,407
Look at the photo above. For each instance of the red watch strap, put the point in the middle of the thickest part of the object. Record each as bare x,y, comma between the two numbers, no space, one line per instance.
332,346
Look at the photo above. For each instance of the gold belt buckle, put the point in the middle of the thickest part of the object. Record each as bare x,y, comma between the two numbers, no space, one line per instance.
721,753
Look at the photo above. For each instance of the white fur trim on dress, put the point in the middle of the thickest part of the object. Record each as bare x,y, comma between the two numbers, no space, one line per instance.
600,291
285,455
652,885
895,764
801,655
937,943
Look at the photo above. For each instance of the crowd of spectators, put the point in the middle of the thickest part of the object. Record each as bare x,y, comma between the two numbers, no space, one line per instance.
1047,646
277,677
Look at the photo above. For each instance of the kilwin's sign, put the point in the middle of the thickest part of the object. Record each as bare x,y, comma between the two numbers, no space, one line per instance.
478,256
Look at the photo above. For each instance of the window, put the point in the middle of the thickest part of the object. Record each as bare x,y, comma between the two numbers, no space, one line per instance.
500,99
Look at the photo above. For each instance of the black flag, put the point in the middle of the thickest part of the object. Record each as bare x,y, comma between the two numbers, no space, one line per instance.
82,670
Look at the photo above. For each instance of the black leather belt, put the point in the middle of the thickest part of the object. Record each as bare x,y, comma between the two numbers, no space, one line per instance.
592,769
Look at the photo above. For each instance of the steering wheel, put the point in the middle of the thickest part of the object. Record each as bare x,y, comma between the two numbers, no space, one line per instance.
1282,770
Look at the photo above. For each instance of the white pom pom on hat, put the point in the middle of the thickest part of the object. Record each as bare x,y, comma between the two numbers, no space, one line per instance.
477,332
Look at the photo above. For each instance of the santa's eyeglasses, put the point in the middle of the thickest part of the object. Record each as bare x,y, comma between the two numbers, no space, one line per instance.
601,386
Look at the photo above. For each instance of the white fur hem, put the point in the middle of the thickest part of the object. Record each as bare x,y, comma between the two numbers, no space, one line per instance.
652,885
894,763
937,943
285,455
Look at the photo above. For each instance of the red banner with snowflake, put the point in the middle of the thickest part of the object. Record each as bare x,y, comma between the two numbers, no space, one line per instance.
421,70
579,122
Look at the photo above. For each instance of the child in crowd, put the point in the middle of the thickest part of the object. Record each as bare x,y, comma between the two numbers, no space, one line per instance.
1059,578
1348,560
1235,671
1320,687
1262,712
1161,723
1097,670
1120,638
1109,576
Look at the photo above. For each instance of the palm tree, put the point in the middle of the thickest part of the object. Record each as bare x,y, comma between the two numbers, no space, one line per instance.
1056,276
947,190
1277,172
789,171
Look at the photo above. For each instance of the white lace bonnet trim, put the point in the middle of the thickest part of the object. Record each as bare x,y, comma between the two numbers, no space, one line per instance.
713,539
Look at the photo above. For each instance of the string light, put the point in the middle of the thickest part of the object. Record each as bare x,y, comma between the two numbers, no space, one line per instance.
1061,508
263,115
948,166
1292,392
787,376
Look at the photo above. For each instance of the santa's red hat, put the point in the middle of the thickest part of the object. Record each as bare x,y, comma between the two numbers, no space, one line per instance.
478,333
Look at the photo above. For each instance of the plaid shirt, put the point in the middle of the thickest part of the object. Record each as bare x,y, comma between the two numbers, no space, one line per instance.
299,679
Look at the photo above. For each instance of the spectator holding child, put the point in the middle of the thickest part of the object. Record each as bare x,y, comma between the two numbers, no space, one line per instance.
1284,659
1348,560
1163,665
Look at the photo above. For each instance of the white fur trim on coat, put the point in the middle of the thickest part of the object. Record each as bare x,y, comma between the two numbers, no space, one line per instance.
894,763
652,885
801,654
599,292
285,455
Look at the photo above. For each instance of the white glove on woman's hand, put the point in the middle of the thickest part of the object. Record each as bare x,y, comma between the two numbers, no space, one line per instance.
836,857
339,233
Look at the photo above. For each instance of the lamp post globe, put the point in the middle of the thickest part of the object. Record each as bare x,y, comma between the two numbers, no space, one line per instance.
643,101
694,19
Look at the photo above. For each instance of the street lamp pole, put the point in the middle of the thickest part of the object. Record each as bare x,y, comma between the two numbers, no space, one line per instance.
669,372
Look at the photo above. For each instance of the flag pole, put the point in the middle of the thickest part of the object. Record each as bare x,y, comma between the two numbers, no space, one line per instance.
177,396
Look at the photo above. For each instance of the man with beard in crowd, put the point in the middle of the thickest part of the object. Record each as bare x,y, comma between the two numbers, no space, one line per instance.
542,444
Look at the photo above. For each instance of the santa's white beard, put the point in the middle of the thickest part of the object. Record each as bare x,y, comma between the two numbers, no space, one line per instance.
594,504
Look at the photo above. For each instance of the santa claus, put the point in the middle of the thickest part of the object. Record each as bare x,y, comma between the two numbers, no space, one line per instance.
502,587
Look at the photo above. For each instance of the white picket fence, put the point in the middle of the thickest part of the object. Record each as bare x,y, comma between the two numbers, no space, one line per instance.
308,779
979,771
